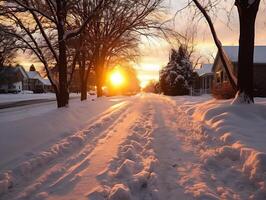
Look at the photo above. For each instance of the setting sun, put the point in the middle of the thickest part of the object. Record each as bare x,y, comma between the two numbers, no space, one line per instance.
117,78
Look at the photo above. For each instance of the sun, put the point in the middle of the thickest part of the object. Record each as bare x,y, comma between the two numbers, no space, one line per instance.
117,78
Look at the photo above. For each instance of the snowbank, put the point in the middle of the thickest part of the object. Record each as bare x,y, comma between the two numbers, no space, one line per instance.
233,142
242,123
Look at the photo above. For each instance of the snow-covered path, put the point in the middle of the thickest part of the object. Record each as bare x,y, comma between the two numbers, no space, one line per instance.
145,148
97,160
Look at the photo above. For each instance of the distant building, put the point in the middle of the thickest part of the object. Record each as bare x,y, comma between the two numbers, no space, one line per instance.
37,84
13,79
16,79
47,85
205,78
221,80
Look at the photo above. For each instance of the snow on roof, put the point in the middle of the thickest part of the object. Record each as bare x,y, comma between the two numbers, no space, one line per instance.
46,81
33,74
36,75
205,69
22,70
259,53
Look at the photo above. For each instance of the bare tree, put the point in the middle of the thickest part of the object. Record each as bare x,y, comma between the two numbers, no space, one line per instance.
118,28
7,46
44,27
247,12
188,41
228,66
93,40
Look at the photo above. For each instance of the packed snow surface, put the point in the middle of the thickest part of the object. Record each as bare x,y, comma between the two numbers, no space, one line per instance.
148,147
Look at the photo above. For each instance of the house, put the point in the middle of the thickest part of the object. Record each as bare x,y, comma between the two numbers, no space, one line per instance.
13,79
47,85
205,78
37,84
16,79
221,81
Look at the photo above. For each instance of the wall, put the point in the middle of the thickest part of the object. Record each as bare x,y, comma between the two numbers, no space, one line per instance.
260,80
259,77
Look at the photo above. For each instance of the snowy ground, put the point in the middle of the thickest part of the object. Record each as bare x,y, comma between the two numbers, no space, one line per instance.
143,147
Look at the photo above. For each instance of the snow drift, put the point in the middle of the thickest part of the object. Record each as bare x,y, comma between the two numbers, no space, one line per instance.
236,142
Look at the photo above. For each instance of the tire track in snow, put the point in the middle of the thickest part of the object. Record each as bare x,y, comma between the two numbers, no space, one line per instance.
76,181
143,169
130,174
173,159
28,177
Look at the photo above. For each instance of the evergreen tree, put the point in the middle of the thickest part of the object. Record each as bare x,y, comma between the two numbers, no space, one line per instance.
32,68
175,77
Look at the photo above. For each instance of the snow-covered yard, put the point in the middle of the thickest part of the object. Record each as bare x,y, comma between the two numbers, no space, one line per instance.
132,148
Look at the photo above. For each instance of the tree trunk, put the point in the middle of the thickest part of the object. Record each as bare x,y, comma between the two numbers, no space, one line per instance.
99,85
84,91
62,61
2,60
58,100
247,18
62,64
83,81
100,74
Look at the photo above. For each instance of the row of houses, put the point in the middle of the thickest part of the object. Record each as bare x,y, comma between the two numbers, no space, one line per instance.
213,76
17,79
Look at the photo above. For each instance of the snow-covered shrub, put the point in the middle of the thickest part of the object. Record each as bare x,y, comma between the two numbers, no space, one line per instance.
223,91
175,77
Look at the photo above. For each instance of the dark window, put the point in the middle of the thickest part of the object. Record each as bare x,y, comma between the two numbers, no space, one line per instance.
222,76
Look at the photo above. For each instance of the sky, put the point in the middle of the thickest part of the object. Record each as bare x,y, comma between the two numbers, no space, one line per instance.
155,55
155,52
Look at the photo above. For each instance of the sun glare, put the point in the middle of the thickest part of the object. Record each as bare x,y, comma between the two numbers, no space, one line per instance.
117,78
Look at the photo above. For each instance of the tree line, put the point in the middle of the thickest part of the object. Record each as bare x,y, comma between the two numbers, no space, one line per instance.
65,35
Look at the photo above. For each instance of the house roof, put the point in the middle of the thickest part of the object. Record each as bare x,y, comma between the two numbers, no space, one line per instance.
205,69
259,53
33,75
23,71
46,82
36,75
9,74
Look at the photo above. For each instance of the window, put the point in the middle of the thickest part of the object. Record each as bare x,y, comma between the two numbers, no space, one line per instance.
218,77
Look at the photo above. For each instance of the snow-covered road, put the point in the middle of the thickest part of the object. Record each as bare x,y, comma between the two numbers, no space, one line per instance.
146,147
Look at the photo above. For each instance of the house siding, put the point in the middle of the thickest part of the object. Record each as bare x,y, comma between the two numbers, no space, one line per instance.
206,83
260,80
259,77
